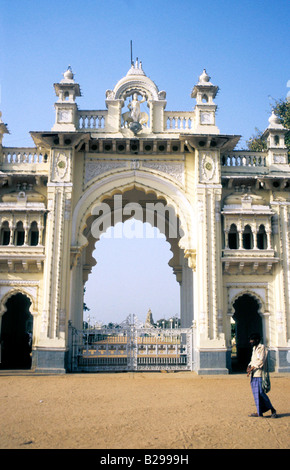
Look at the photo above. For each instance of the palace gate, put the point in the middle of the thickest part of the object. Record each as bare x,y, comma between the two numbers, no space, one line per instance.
130,346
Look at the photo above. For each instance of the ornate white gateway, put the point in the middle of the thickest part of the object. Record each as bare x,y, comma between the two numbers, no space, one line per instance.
225,214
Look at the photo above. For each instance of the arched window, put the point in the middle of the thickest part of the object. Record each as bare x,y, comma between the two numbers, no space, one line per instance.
233,238
33,235
247,238
5,234
19,235
262,238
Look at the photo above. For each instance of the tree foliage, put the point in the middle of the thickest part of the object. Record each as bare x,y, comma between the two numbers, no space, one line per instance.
256,143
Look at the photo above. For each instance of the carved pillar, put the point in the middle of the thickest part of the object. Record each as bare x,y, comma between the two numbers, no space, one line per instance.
56,290
208,284
282,279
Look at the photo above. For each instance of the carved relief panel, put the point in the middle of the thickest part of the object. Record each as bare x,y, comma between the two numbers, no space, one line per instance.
208,167
61,166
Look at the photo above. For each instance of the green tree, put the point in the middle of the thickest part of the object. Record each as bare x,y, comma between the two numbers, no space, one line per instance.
256,143
281,108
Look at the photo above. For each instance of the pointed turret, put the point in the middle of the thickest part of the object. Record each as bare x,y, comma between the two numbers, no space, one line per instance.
204,92
66,108
275,136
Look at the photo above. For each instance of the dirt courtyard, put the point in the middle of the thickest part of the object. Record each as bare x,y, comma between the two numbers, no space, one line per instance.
139,411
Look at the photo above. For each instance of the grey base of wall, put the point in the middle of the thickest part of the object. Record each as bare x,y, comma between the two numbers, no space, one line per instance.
50,361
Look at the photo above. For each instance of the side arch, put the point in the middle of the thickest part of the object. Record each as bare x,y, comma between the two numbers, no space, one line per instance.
254,295
16,332
248,309
14,291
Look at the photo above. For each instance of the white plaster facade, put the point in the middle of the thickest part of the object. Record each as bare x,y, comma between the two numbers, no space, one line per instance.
233,208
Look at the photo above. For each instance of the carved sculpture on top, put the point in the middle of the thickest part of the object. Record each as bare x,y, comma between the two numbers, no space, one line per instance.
134,118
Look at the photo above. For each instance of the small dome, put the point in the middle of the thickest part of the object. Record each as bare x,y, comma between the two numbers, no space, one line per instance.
68,75
204,77
274,119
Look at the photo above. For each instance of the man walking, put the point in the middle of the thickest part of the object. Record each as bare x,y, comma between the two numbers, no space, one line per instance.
255,367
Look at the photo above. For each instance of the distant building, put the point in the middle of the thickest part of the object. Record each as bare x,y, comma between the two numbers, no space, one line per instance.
225,213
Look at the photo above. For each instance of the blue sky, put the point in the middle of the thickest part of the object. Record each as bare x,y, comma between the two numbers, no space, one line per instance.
244,46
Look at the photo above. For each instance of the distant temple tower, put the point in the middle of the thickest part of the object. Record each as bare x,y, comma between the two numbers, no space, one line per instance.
149,319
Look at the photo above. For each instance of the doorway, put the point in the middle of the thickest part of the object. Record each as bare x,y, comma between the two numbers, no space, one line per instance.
16,333
247,320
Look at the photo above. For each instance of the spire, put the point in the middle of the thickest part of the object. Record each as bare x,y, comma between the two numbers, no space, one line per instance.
136,68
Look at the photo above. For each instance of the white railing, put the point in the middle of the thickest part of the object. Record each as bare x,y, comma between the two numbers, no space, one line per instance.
176,121
244,158
23,155
92,119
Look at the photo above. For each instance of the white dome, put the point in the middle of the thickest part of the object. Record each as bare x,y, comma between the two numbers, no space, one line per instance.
68,75
204,77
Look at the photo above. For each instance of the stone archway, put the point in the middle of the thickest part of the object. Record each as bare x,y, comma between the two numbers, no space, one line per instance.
134,202
16,333
247,320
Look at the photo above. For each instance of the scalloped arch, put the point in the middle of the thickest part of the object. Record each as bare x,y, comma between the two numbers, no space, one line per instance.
120,182
260,301
14,291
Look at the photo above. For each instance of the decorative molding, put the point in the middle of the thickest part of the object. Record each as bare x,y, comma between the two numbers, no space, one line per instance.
173,169
95,168
6,282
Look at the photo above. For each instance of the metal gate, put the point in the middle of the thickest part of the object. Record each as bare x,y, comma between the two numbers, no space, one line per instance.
130,346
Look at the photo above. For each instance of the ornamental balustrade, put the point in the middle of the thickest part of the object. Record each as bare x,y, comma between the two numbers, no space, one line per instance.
178,121
95,120
173,121
241,159
12,156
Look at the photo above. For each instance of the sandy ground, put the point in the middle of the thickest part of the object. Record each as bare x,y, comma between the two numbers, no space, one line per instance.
139,411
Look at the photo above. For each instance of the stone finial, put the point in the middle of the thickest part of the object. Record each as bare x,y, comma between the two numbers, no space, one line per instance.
274,122
204,86
68,76
136,68
204,77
